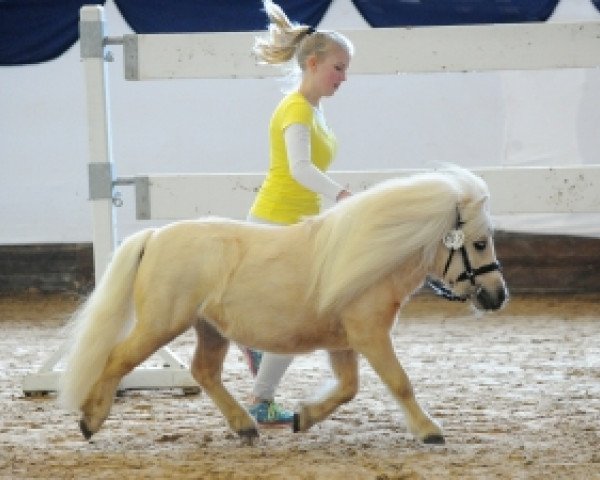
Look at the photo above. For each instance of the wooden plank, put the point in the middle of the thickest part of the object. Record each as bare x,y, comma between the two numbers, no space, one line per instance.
379,51
46,268
549,263
532,263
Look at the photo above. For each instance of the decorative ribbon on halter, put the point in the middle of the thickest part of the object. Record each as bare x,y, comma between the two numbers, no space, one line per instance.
455,240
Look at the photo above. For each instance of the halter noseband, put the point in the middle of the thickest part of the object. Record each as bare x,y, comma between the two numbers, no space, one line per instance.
455,240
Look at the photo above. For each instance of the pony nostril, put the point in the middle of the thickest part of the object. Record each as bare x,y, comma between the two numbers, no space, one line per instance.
488,301
483,298
502,295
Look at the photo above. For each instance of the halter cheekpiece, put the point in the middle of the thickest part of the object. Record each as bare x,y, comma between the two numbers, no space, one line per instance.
455,240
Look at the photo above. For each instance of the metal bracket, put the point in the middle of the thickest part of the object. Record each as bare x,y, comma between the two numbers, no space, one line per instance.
130,57
100,175
142,198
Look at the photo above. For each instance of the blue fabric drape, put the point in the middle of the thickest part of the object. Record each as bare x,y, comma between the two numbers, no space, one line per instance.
34,31
404,13
169,16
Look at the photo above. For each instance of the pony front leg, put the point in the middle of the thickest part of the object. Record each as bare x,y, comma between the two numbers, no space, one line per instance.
380,354
345,367
206,368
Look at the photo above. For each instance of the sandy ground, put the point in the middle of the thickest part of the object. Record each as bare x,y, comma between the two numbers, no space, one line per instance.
518,394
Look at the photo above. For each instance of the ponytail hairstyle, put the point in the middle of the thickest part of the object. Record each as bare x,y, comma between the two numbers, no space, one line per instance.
287,40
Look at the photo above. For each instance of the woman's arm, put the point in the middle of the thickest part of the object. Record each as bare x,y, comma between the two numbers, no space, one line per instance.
297,143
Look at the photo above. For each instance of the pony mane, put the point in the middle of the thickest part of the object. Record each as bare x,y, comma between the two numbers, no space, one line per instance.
365,237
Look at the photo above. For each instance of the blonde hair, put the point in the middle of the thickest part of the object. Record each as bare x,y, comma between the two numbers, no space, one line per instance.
287,40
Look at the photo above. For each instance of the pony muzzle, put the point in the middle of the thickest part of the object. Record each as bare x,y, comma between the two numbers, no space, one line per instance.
485,300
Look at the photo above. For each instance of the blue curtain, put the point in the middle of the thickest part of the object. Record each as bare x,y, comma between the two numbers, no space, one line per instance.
34,31
169,16
404,13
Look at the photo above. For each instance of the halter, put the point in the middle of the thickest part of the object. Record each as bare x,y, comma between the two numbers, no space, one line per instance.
455,240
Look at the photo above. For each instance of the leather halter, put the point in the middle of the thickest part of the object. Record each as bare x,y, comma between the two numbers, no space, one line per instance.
454,240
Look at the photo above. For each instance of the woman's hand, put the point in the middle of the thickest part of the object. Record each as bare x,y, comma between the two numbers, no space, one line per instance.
343,194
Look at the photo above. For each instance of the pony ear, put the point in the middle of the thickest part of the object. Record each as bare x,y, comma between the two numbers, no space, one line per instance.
480,203
469,204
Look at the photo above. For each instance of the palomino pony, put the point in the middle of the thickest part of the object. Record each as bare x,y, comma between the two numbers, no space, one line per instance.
335,282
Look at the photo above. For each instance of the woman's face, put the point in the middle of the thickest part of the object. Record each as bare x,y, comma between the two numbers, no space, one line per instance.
330,71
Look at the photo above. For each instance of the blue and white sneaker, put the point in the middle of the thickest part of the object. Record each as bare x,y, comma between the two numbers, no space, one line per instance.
269,413
253,357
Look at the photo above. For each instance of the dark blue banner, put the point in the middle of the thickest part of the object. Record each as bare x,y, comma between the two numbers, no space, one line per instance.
172,16
394,13
34,31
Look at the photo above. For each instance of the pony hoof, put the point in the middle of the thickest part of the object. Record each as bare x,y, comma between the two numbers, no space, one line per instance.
248,435
435,439
87,433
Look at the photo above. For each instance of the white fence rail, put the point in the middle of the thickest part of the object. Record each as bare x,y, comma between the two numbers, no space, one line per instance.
513,190
381,51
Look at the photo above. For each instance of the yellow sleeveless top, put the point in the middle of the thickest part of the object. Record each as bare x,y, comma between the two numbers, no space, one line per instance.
281,199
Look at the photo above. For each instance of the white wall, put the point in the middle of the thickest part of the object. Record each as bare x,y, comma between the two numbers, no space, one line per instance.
507,118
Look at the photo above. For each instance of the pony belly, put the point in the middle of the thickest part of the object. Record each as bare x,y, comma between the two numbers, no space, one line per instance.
278,330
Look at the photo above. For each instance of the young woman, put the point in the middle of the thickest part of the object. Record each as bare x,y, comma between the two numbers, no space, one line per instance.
302,147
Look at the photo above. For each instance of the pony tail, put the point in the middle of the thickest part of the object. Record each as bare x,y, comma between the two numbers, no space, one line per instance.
283,38
101,322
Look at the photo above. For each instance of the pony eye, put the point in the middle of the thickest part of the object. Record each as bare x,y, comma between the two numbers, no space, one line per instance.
480,245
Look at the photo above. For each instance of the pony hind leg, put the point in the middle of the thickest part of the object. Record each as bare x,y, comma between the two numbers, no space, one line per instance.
206,368
345,368
141,342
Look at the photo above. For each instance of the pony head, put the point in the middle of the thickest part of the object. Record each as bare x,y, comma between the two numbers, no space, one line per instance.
400,224
465,266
